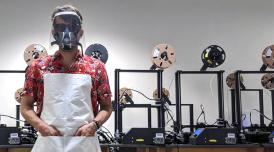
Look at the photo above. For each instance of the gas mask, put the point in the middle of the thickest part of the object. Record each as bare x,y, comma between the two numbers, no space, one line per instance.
66,27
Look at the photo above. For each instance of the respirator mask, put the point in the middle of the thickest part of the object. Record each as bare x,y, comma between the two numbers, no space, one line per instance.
66,29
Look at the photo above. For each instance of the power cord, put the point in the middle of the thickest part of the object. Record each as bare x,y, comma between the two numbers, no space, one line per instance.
106,135
1,115
250,120
165,107
262,115
204,116
137,92
201,114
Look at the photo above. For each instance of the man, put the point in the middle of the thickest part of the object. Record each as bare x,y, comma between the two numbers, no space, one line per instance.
67,88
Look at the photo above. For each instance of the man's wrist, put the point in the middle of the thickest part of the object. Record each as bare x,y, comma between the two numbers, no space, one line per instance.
97,124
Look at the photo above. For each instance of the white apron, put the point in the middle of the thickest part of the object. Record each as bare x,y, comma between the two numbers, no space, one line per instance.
67,105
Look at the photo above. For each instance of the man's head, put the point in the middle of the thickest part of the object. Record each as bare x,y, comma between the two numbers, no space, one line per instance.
67,27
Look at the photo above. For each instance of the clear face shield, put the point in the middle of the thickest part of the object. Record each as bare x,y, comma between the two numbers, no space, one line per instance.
66,31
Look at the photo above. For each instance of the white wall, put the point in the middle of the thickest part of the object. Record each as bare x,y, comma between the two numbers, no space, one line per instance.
131,28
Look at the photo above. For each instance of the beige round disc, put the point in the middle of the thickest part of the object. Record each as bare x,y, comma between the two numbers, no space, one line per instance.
18,95
155,93
122,92
33,52
230,80
268,56
163,56
267,81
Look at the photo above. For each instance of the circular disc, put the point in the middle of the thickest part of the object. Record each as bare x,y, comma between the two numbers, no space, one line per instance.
230,80
98,51
122,92
18,95
213,56
155,93
268,56
34,51
163,56
267,81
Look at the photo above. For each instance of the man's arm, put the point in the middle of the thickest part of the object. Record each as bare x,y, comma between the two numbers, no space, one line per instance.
105,111
29,114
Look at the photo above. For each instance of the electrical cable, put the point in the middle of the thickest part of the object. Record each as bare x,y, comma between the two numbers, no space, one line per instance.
1,115
202,113
197,120
227,124
250,118
171,114
262,114
106,135
170,117
108,131
137,92
168,111
204,116
142,94
244,117
166,108
242,122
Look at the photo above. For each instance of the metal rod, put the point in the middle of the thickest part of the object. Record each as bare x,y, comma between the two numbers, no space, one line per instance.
12,71
178,102
159,116
252,90
238,101
233,110
17,115
182,104
261,104
118,126
160,87
191,114
254,72
272,101
140,106
139,71
220,95
149,117
200,72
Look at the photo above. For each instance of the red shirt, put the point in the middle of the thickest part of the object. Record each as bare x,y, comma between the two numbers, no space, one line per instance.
34,83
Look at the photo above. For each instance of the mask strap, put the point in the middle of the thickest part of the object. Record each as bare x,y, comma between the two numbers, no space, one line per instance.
81,48
66,13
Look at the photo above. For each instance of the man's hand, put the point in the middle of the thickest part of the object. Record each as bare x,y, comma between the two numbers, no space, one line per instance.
28,113
47,130
86,130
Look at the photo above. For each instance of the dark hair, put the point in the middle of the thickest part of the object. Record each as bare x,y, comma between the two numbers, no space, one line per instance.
66,8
